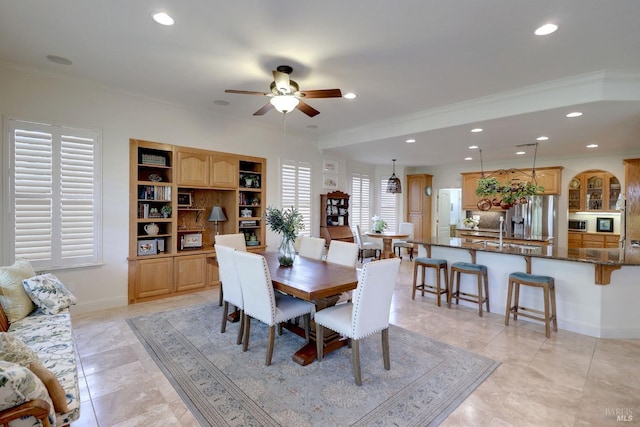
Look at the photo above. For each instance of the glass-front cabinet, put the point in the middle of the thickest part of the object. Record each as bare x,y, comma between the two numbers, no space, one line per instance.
594,191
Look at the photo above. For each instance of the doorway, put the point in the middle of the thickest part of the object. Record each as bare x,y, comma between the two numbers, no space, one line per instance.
448,211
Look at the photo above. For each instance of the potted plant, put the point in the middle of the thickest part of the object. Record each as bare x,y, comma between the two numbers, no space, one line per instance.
487,187
166,211
379,225
287,222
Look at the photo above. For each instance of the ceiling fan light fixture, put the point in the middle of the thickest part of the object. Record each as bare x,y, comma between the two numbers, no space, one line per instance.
394,186
284,103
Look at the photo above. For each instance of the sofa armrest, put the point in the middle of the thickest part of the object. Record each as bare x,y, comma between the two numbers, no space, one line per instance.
37,408
4,320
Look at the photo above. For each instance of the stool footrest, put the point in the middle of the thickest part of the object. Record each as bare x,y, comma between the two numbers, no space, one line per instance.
522,311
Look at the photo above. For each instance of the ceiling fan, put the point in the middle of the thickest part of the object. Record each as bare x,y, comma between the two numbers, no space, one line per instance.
285,94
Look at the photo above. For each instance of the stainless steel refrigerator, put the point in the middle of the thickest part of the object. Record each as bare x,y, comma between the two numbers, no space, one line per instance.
534,220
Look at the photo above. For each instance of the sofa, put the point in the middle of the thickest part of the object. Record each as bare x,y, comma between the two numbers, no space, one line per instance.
38,369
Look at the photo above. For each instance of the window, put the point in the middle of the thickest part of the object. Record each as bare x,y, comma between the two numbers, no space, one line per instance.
388,206
54,195
360,200
295,190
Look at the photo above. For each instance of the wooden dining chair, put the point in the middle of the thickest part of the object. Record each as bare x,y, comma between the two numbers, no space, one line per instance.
231,283
366,315
261,303
235,241
311,247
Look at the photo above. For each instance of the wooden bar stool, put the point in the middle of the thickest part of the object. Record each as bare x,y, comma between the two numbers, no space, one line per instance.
439,265
544,282
480,271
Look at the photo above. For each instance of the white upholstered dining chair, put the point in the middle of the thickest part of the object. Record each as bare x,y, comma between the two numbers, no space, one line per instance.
343,253
404,228
232,290
366,246
260,300
235,241
366,315
311,247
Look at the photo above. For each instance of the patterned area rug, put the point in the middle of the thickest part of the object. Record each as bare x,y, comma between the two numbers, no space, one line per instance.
224,386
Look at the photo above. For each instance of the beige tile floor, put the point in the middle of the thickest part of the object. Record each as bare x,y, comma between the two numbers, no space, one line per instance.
567,380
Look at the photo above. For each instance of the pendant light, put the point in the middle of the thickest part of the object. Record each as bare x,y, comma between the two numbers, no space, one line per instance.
394,185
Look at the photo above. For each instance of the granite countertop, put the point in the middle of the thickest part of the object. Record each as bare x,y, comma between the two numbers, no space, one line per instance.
629,256
495,234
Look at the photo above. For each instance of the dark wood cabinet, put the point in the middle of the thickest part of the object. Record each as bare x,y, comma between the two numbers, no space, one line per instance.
334,217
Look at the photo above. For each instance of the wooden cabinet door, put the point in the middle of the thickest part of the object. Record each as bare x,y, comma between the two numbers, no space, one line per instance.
223,171
153,278
592,241
612,241
632,193
574,240
191,272
550,179
192,168
419,205
469,184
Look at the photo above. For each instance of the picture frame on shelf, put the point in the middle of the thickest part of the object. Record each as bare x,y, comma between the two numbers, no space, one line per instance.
147,247
184,200
604,225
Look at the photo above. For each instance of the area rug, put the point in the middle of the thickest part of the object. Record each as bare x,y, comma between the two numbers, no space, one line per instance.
223,386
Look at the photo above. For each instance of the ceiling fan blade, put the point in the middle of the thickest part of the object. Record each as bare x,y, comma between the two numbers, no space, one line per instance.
264,109
244,92
307,109
282,81
322,93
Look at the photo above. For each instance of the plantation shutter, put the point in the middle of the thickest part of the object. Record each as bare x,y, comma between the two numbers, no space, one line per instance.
360,199
388,206
55,195
296,190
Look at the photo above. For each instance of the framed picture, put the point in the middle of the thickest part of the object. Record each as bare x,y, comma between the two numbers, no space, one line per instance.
604,225
147,247
192,240
330,181
184,200
329,166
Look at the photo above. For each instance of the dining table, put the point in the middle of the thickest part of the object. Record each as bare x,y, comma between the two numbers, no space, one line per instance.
387,239
315,281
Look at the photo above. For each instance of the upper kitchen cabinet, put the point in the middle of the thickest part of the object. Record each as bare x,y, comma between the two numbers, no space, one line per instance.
550,178
594,190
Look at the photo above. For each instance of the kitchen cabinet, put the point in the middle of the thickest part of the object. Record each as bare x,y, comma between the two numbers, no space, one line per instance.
192,168
150,278
594,191
223,171
592,240
549,177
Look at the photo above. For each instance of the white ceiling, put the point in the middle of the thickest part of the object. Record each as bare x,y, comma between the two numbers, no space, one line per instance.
427,69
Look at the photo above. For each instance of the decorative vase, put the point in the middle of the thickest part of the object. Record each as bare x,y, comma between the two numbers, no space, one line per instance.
286,252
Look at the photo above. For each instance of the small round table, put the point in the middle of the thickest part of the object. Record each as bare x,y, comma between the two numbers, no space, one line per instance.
387,237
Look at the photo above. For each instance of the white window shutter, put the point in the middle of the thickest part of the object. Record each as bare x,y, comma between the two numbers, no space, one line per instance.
295,190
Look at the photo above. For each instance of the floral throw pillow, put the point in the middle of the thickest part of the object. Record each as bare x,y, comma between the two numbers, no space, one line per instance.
48,293
12,349
18,385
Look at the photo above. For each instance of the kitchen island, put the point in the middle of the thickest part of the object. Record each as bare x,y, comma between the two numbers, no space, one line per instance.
583,305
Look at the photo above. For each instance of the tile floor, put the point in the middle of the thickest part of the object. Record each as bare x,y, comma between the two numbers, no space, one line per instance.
567,380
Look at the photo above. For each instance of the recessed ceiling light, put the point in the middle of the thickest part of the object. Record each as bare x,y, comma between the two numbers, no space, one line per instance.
410,141
350,95
574,114
592,146
59,59
546,29
468,158
476,130
542,138
220,102
473,147
520,153
162,18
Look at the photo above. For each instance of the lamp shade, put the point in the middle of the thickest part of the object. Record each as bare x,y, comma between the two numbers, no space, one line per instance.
217,214
284,103
394,185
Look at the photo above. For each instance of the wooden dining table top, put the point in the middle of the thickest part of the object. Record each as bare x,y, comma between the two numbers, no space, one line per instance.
310,279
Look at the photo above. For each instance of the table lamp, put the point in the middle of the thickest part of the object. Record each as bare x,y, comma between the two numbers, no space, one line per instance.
217,214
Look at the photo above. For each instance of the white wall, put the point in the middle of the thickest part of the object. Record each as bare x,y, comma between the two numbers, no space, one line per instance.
122,116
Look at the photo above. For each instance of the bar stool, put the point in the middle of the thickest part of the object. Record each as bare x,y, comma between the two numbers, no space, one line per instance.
547,284
480,271
439,265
